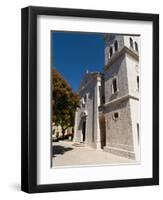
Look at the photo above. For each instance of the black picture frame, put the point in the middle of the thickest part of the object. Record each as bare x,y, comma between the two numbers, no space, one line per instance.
29,99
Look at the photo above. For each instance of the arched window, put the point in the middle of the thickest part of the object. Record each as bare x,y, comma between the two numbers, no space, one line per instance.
131,42
114,86
111,51
136,46
116,45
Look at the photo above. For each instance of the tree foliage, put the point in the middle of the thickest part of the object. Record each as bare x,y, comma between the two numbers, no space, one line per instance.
64,101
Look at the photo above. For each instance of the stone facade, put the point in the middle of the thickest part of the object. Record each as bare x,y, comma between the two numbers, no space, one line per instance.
108,117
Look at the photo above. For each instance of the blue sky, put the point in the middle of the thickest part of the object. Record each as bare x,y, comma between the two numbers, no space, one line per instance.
74,53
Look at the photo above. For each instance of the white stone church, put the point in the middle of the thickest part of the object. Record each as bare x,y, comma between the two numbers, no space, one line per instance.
109,114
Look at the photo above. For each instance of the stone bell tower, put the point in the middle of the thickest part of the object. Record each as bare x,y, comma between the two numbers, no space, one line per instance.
122,108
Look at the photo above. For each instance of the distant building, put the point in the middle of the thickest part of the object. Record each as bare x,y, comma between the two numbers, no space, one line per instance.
109,114
57,131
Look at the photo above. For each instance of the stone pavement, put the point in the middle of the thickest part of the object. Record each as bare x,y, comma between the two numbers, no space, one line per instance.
65,154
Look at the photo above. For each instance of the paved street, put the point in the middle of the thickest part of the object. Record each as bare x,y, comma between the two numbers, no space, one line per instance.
65,154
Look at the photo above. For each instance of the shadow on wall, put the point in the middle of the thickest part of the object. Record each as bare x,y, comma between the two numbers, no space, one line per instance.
58,149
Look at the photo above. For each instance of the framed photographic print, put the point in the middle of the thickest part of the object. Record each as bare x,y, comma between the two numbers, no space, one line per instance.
90,99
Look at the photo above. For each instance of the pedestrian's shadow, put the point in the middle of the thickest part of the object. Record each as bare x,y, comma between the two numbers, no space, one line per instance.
58,149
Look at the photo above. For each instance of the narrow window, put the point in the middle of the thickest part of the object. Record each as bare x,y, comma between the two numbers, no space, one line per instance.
116,45
85,98
137,80
136,46
131,42
138,133
111,51
114,85
103,99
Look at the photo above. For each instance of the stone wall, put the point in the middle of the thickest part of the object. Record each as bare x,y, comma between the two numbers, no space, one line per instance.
116,70
119,135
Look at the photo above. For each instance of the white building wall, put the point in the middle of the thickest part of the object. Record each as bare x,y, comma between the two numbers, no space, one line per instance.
90,106
135,116
90,110
133,68
97,135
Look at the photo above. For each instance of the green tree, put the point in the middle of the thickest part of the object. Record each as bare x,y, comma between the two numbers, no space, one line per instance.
64,102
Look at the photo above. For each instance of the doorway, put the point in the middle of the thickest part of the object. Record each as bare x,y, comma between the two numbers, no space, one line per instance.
83,130
103,132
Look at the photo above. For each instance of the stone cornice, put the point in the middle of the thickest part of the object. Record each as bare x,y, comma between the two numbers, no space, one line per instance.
123,98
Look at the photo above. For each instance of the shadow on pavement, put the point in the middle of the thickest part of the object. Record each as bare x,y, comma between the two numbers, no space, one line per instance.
58,149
